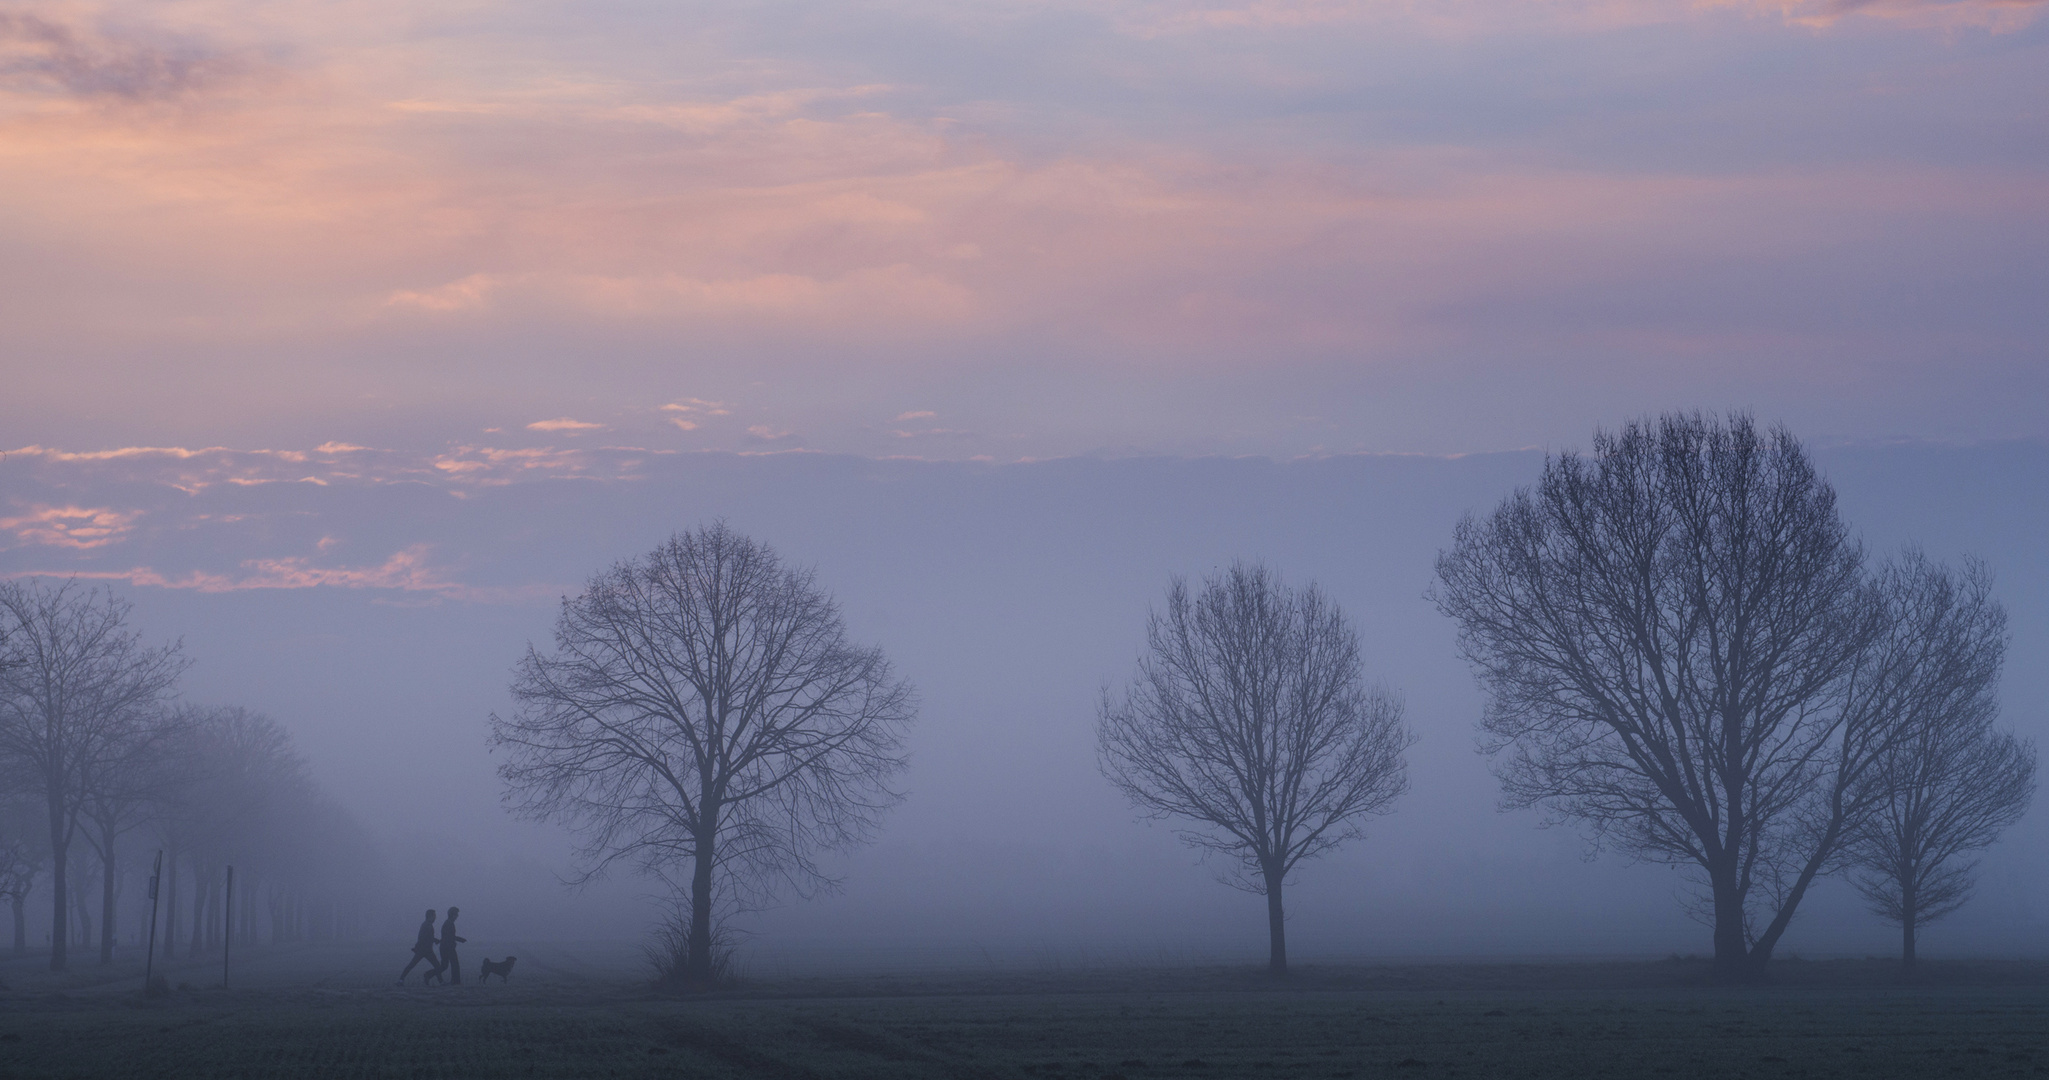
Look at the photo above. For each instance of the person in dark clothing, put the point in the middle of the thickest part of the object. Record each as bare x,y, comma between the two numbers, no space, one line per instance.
423,949
449,963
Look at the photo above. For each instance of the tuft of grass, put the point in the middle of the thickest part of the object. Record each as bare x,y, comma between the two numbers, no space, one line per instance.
669,955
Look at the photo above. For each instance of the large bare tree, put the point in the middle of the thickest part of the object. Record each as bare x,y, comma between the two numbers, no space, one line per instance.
703,714
1676,637
1249,718
1949,784
73,694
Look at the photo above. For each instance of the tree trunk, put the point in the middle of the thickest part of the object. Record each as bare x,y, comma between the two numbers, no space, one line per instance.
1909,915
200,891
60,925
1276,927
169,891
699,967
84,918
107,932
1733,962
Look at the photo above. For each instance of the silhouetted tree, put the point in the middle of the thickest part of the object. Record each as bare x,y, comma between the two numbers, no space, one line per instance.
702,711
1249,717
123,783
78,680
23,855
1667,631
1950,783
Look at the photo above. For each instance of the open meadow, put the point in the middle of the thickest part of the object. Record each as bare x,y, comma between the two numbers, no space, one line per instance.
333,1011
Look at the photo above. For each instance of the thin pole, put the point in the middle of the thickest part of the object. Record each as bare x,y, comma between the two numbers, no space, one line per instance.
149,965
228,926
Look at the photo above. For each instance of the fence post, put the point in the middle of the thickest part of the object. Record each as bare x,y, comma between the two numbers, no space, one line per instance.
149,964
228,926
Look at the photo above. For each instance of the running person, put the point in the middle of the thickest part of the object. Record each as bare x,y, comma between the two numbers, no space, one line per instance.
449,963
423,949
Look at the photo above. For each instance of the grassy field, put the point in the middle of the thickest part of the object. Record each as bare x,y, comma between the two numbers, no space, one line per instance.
331,1011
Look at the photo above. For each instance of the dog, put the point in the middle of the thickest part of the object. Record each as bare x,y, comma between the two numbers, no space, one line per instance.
500,968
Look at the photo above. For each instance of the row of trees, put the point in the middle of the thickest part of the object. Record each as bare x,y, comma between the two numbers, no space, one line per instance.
1684,650
95,748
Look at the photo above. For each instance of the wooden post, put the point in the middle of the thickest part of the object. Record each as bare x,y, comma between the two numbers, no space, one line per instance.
149,965
227,925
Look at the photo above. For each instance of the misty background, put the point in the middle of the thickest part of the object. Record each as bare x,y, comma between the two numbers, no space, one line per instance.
374,602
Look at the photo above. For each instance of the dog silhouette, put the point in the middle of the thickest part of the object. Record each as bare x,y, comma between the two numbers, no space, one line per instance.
500,968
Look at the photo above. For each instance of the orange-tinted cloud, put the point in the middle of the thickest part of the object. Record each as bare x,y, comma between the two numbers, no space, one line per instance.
386,190
406,571
1994,15
77,527
1154,18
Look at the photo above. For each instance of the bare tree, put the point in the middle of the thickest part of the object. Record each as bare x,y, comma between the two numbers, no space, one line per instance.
703,712
23,856
1249,717
78,678
1949,784
1675,636
123,783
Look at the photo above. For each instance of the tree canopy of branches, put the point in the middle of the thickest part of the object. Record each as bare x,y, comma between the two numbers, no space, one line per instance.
704,713
1249,718
1949,784
1668,632
1683,650
77,693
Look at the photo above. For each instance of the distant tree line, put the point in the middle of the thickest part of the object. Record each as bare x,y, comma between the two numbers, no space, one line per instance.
99,763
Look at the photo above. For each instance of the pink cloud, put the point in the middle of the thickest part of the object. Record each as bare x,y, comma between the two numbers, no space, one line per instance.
462,294
492,466
1993,15
406,571
80,528
698,405
403,213
1157,18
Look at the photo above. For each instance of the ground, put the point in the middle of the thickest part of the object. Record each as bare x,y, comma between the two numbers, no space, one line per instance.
333,1011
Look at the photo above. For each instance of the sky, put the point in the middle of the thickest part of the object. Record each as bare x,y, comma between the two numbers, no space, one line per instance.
1018,229
345,337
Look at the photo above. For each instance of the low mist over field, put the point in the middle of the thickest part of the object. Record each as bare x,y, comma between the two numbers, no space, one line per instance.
374,603
1089,539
